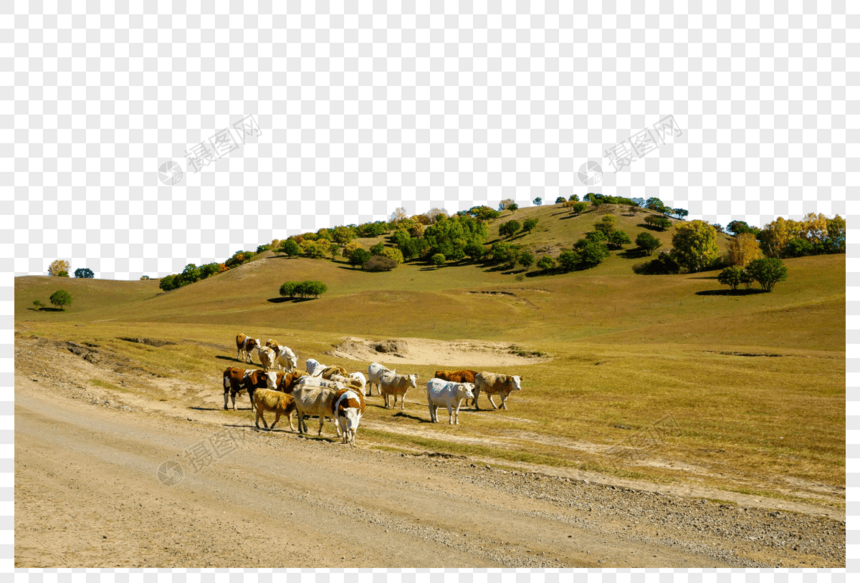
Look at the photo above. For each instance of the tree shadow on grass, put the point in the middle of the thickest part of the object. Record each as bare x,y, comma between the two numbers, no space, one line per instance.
46,309
728,292
634,253
293,300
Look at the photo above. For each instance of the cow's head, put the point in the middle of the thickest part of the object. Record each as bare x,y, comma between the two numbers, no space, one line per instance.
465,391
413,381
272,380
269,343
516,379
294,361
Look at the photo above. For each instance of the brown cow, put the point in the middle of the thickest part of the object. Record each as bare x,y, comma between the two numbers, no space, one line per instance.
457,376
275,401
496,384
237,380
285,382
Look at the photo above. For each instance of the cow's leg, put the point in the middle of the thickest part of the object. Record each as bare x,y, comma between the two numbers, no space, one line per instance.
251,396
450,415
430,407
490,397
226,395
502,396
403,401
457,412
475,400
233,398
277,417
290,419
257,418
385,398
322,422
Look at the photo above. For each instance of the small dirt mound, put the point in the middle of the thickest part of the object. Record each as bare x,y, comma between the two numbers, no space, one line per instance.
474,354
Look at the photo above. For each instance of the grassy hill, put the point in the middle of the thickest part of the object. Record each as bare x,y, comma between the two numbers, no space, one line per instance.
754,382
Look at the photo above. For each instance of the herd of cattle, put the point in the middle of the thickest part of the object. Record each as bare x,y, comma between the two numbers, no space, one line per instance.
321,391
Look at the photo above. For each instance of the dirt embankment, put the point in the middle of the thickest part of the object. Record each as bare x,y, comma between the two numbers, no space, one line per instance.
472,354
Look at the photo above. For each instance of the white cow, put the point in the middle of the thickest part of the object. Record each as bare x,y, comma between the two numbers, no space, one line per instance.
313,400
267,358
374,371
441,393
362,380
314,367
285,357
348,408
396,385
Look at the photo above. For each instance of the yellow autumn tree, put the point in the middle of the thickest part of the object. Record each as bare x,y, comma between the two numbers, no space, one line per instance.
776,235
814,228
58,266
350,247
743,248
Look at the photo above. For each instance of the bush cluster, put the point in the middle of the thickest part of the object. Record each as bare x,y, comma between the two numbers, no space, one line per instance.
303,289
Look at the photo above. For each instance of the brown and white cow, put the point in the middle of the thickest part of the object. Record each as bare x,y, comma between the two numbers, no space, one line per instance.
286,358
237,380
268,359
457,376
284,382
245,346
348,407
495,384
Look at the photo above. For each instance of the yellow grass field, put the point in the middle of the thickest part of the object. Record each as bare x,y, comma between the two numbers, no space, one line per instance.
657,378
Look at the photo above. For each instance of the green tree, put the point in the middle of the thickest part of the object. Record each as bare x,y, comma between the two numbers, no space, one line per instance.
377,249
168,283
529,224
359,257
39,305
333,249
84,272
596,236
591,253
290,248
680,213
475,251
647,242
660,223
579,207
288,289
731,276
190,274
438,260
559,200
313,288
509,229
569,260
57,266
538,201
63,274
394,254
512,207
767,272
618,239
574,198
61,298
606,225
695,245
526,259
263,248
546,263
342,235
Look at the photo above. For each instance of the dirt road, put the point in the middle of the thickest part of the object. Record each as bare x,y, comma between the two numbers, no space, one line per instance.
87,494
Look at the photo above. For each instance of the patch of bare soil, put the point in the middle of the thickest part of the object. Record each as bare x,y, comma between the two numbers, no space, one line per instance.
472,354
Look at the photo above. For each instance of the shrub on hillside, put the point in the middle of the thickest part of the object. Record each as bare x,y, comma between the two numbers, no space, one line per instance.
559,200
529,224
579,207
377,249
569,260
767,272
290,248
438,260
647,242
663,264
694,245
393,254
303,289
84,272
546,263
509,229
591,253
659,223
61,298
379,263
731,276
57,266
359,257
618,239
475,251
526,259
